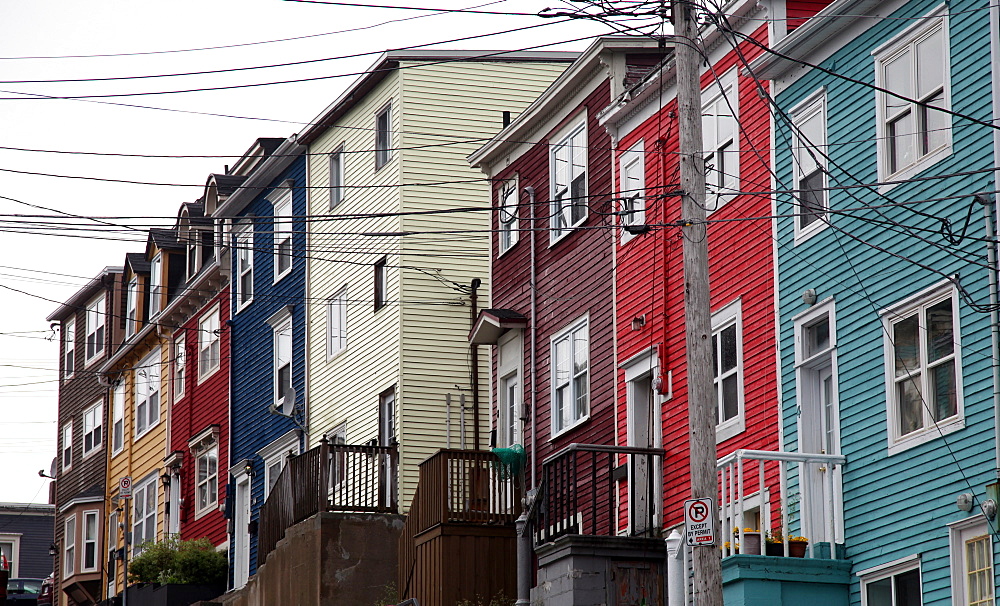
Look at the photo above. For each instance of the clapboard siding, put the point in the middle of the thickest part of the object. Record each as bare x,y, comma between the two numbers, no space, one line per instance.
418,342
884,256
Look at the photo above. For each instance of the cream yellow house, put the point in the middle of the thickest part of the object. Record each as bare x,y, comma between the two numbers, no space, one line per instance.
398,235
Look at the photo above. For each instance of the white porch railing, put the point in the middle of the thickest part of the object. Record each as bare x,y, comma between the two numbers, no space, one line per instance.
733,505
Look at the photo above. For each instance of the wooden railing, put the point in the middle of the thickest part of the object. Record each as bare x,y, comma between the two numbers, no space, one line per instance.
342,477
600,490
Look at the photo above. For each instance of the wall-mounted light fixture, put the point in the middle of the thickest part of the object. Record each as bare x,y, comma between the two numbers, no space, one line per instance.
965,501
638,322
53,550
809,296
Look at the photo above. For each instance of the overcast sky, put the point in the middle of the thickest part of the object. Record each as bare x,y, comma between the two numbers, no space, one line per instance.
46,266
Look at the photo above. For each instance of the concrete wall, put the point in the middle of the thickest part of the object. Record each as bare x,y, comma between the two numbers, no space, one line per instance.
327,560
752,580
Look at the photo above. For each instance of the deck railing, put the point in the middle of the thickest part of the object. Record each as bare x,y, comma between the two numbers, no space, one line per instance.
600,490
341,477
807,501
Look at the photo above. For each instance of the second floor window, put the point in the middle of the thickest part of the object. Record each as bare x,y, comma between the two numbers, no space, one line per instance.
144,499
727,367
570,376
809,142
69,546
95,328
720,133
147,394
283,235
381,283
336,315
383,137
67,446
207,482
633,184
118,418
89,563
93,421
209,346
568,160
508,216
282,361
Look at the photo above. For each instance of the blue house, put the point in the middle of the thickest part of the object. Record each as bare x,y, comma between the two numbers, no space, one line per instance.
265,230
885,198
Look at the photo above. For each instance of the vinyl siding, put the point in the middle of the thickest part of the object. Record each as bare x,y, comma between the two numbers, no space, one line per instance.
866,279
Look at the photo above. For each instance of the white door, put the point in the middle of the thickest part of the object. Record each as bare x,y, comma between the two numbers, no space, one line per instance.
241,532
642,433
820,427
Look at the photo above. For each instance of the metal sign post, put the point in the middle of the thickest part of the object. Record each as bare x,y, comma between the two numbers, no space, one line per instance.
125,494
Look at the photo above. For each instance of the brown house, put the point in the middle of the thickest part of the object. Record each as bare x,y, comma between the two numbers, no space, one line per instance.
90,326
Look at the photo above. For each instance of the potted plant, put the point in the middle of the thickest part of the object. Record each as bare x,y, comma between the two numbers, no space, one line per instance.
797,546
174,572
750,540
775,545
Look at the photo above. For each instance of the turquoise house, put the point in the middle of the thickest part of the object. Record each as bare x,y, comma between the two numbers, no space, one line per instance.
884,192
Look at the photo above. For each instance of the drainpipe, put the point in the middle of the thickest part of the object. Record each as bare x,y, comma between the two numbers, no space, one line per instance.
474,300
995,52
991,256
534,331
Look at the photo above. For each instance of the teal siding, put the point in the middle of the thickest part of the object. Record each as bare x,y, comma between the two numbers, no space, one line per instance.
897,505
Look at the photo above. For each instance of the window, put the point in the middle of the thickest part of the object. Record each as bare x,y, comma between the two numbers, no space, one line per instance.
207,481
118,418
336,324
509,358
283,361
208,344
809,144
92,428
95,329
283,235
10,548
69,348
387,417
112,572
383,137
89,563
193,252
381,284
244,266
915,65
147,394
720,133
180,366
131,308
727,367
337,177
69,546
568,161
144,513
971,562
895,584
155,286
633,194
570,376
67,446
508,216
275,455
338,462
921,362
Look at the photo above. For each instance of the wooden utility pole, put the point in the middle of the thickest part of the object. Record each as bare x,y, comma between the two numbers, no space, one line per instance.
697,311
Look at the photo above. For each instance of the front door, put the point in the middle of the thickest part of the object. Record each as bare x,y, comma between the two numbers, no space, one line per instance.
241,532
819,423
642,478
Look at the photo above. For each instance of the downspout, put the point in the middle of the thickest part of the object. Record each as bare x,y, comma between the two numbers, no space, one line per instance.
474,300
991,255
995,63
530,412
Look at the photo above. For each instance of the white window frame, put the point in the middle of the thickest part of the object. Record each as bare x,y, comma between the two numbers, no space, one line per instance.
281,332
906,42
69,546
336,167
720,102
633,189
558,209
336,324
562,422
380,294
96,327
147,384
889,570
283,231
156,285
179,365
118,418
917,304
67,446
244,244
132,308
15,552
510,363
803,154
212,495
209,343
278,452
959,534
338,461
140,493
507,220
69,348
93,426
383,136
94,514
192,252
729,315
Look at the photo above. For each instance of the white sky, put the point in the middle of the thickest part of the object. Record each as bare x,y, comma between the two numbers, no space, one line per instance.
28,360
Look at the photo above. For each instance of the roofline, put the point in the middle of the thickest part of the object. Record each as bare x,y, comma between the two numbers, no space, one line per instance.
556,92
81,501
74,302
279,160
389,62
27,508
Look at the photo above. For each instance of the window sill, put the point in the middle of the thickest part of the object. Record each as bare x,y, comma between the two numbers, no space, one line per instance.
506,250
278,277
804,234
336,354
208,374
900,176
145,432
93,451
566,231
96,358
569,428
241,306
730,429
927,434
204,512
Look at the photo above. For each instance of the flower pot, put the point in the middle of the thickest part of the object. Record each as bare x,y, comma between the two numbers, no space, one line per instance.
797,549
750,543
775,549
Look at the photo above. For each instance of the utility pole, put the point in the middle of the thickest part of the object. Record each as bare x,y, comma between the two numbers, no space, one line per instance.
698,325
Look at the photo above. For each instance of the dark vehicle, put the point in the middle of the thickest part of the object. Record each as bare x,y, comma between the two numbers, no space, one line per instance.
45,597
24,592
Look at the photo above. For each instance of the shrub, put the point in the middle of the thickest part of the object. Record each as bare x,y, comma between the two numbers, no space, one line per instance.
182,562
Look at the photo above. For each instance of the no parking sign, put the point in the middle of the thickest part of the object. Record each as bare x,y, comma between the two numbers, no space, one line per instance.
698,521
125,487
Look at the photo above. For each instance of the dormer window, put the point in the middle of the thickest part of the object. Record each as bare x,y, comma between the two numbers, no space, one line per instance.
193,252
155,285
131,311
